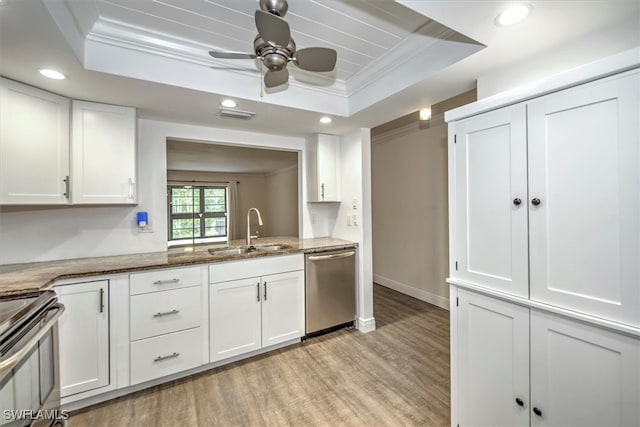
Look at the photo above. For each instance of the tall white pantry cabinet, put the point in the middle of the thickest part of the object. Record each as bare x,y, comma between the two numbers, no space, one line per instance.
544,193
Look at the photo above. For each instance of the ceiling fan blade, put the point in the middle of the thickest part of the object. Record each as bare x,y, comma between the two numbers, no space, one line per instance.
272,28
276,78
231,55
316,59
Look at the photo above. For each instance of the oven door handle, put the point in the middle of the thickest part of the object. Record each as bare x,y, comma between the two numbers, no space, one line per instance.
11,362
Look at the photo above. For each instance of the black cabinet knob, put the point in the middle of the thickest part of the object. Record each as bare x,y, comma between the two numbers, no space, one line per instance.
519,401
517,201
535,202
537,411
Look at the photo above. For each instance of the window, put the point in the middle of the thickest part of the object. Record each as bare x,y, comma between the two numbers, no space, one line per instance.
197,213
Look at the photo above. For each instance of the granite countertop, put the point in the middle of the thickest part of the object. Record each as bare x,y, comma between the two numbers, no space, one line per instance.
17,278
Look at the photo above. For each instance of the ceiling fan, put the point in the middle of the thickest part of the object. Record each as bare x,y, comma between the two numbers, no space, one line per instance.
275,48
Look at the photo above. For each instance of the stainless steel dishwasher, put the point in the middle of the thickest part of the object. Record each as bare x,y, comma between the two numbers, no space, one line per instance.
330,283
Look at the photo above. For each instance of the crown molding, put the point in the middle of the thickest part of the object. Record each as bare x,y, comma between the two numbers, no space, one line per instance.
141,39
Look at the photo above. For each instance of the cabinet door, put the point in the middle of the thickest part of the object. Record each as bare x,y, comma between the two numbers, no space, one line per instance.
582,375
235,317
323,154
103,154
34,145
327,168
490,246
584,168
84,336
282,307
493,362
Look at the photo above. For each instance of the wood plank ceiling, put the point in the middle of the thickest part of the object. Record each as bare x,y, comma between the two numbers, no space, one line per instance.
360,31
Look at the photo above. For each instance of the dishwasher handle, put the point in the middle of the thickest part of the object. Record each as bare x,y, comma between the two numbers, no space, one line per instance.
334,256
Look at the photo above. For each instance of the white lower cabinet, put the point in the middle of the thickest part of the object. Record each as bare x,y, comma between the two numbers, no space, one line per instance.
493,362
164,312
582,375
84,336
235,317
165,322
262,310
165,355
520,366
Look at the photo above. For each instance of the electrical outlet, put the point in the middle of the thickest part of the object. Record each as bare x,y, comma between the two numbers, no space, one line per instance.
354,219
313,218
355,204
147,228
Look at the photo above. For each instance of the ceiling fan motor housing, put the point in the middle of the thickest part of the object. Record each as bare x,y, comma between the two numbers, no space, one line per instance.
277,7
275,58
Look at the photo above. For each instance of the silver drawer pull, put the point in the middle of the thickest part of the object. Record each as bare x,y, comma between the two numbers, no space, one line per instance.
161,282
158,314
171,356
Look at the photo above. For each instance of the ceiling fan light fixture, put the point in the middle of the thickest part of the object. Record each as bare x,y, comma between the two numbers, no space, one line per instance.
52,74
513,14
325,120
229,103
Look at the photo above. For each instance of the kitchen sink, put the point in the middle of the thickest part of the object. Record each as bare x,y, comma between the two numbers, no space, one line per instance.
272,248
228,251
243,250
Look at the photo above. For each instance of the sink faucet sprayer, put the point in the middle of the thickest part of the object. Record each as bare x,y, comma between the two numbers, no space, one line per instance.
249,236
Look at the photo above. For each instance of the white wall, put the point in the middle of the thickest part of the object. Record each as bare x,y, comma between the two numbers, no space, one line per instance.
281,210
355,183
587,48
410,220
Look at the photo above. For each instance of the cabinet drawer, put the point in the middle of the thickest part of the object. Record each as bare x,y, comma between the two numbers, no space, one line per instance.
165,355
165,279
234,270
163,312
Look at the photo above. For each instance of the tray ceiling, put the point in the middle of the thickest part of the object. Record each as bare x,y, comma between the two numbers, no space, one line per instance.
378,44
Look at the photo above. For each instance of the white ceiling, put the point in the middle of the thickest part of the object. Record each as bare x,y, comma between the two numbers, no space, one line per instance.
394,56
209,157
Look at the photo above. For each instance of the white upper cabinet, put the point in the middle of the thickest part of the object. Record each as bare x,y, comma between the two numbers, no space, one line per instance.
584,197
323,162
45,162
546,199
34,146
104,154
490,162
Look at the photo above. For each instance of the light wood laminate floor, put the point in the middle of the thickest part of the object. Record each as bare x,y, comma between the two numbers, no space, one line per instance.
397,375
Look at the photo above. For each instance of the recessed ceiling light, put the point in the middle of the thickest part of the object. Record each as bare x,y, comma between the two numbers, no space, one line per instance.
513,14
325,120
52,74
229,103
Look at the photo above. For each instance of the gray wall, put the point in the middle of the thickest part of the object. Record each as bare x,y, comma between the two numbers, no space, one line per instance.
409,181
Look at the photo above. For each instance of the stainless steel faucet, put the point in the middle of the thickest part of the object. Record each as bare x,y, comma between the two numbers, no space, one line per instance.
249,236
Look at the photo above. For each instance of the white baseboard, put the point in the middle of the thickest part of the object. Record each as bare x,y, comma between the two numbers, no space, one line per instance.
366,325
420,294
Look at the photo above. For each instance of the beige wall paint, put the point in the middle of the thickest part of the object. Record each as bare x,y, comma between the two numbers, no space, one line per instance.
409,199
409,181
281,214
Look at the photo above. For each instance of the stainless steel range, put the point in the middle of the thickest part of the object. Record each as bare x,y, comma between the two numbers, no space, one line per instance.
29,366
